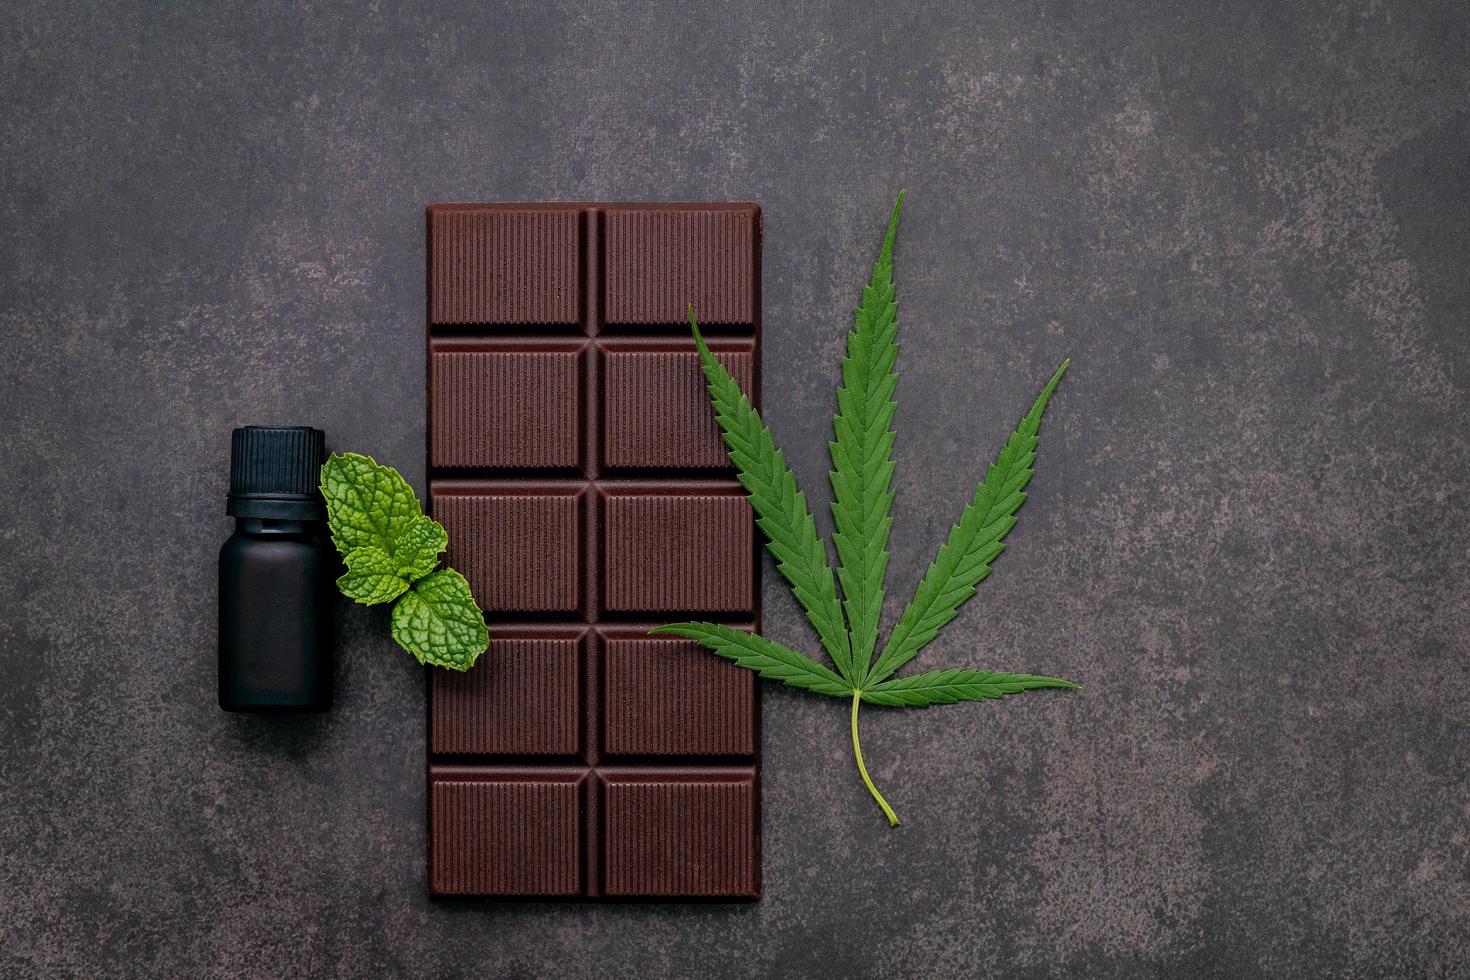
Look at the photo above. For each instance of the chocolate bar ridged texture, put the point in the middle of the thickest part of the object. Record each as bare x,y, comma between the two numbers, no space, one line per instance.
577,466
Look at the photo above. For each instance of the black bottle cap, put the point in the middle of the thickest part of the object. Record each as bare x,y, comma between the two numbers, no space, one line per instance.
275,471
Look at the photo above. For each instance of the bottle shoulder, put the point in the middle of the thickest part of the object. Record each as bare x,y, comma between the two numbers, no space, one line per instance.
243,544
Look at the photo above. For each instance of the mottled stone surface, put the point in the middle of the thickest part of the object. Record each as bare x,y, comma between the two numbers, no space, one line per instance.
1249,536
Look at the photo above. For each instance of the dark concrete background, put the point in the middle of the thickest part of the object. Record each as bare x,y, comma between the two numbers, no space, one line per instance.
1248,537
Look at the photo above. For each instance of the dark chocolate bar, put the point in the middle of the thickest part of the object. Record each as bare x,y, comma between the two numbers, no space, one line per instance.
577,466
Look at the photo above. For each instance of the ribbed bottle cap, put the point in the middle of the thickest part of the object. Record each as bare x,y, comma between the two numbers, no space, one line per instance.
275,470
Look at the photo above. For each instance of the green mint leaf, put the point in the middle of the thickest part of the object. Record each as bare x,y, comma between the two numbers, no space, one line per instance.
372,577
780,507
368,505
419,547
949,686
391,548
974,543
762,656
438,622
862,455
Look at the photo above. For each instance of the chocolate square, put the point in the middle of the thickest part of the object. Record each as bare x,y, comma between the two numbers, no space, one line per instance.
668,552
505,408
525,700
656,408
504,265
674,834
657,261
664,696
505,833
519,550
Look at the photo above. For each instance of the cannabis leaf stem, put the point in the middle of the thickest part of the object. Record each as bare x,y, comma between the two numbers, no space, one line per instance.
857,752
862,501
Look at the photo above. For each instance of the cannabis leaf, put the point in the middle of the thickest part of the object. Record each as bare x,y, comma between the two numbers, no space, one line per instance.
780,507
949,686
862,455
862,501
762,656
391,548
964,559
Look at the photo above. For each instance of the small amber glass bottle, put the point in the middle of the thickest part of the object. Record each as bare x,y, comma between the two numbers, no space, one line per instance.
275,575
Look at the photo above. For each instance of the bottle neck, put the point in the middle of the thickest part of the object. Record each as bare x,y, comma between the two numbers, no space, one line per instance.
277,507
275,525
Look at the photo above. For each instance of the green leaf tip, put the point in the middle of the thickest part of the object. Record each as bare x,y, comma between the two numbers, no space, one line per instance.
861,476
779,504
368,504
974,542
438,622
862,455
950,686
766,658
391,549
